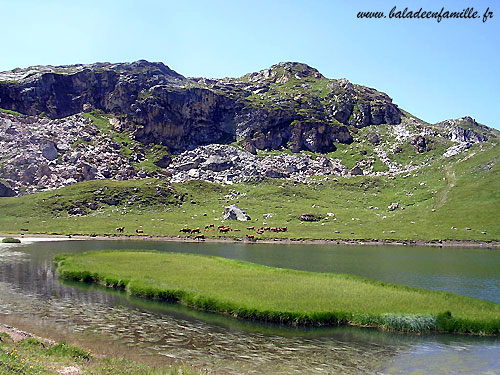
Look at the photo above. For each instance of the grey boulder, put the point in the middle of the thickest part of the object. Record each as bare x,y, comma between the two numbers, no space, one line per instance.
233,212
49,151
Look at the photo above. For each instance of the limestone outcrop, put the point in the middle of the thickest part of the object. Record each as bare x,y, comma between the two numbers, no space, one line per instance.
288,104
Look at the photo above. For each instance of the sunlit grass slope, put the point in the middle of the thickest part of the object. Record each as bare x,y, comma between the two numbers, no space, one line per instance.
457,198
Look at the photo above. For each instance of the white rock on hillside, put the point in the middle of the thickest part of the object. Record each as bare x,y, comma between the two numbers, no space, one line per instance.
233,212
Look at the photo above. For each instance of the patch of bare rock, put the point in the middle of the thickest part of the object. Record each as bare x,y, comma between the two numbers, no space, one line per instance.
39,154
226,164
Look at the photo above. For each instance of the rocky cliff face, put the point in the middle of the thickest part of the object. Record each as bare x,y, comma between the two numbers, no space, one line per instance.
37,153
141,119
288,105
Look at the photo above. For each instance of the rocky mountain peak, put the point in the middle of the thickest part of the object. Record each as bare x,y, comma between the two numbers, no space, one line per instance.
146,69
284,71
297,69
145,64
142,68
466,121
467,130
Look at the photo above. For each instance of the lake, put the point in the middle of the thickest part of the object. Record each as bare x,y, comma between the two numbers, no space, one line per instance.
31,297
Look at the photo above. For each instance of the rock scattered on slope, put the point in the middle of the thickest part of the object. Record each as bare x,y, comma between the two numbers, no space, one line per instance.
39,154
393,206
420,144
373,138
356,171
233,212
227,165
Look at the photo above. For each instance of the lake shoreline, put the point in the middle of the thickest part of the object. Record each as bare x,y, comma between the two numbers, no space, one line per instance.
281,241
27,353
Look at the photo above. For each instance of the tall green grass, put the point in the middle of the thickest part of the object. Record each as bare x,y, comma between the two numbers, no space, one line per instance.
249,291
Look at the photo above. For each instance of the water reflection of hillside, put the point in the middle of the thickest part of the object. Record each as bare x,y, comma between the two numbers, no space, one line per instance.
40,279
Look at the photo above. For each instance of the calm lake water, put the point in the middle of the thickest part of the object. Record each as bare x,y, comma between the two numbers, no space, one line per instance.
32,297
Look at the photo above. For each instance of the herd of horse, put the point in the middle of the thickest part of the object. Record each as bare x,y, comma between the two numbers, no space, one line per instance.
221,229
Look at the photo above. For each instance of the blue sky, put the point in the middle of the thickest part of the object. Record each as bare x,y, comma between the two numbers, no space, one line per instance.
434,70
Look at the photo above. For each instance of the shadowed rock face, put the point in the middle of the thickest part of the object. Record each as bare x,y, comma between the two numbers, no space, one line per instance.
6,191
288,105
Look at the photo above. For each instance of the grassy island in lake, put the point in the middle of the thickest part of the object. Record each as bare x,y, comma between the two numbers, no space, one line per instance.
11,240
249,291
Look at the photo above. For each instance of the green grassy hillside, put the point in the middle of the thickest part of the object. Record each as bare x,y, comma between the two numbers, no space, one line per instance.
457,198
